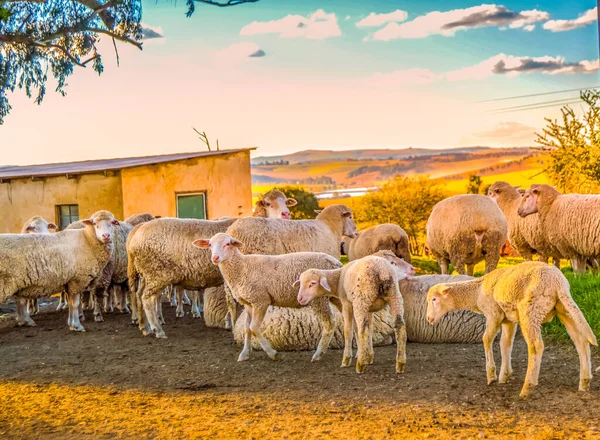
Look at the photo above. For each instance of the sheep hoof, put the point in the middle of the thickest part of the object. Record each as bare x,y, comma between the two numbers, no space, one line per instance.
134,321
400,366
161,336
273,355
360,367
584,384
76,329
82,317
197,315
504,378
491,380
346,362
146,332
98,318
180,314
243,357
316,357
126,309
526,391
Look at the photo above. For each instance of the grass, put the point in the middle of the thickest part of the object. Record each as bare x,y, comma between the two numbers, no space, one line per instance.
585,290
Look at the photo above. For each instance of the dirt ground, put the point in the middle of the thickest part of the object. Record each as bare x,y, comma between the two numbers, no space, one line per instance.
111,382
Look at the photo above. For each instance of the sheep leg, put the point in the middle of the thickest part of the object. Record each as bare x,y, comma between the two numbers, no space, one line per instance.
171,293
79,309
74,300
33,306
361,315
196,304
232,314
491,330
324,313
459,265
583,350
245,354
509,330
159,310
443,263
397,309
178,297
134,303
535,345
23,318
108,301
149,301
370,352
62,302
98,295
470,269
186,299
258,314
348,333
491,260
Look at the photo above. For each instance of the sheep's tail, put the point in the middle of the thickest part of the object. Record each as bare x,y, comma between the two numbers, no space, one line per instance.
132,274
478,251
572,309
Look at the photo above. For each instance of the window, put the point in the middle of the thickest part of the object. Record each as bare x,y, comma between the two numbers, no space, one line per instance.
191,206
67,214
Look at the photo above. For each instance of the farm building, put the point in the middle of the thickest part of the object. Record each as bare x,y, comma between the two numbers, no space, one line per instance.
205,185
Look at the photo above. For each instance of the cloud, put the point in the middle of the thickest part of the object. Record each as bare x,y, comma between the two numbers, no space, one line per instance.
584,19
510,65
504,133
150,32
347,18
449,22
529,27
399,77
318,26
376,20
236,54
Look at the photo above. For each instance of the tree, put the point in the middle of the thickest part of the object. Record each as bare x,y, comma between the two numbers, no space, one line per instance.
574,146
405,201
39,38
307,202
474,184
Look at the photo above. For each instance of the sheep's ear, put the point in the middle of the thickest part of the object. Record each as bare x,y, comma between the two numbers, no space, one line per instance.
325,284
318,211
202,243
347,213
260,203
52,226
296,283
535,191
445,290
157,216
115,222
32,228
291,202
87,222
236,243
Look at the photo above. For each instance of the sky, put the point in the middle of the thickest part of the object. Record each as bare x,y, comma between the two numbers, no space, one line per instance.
286,76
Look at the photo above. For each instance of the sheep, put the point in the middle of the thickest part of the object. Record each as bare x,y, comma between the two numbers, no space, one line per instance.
161,254
299,329
137,219
274,204
363,286
37,265
464,230
258,281
381,237
525,234
37,225
527,294
570,222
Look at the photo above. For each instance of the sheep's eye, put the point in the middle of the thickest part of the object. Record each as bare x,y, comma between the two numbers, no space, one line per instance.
497,191
312,283
268,204
226,244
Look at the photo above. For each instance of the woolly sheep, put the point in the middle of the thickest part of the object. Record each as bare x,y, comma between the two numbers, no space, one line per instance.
464,230
274,204
299,329
363,286
525,234
37,265
138,219
258,281
36,225
528,295
570,221
378,238
161,254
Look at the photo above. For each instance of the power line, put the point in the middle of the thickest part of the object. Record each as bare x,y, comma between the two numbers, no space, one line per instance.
538,94
521,108
534,104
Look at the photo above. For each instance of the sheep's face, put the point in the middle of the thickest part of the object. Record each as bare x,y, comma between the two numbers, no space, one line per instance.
349,228
312,285
277,206
498,190
439,302
403,269
103,227
40,226
528,203
222,247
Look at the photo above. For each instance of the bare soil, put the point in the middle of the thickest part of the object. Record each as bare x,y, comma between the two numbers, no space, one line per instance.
111,382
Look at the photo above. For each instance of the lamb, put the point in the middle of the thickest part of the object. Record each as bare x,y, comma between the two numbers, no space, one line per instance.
36,225
527,294
37,265
464,230
363,286
161,254
258,281
299,329
378,238
274,204
525,234
570,222
138,219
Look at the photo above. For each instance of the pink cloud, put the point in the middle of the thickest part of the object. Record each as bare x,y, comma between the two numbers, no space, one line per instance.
318,26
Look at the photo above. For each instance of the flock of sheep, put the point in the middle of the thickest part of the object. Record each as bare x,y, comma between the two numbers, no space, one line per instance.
278,284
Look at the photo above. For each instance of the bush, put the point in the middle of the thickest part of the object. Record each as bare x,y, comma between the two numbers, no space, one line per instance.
307,202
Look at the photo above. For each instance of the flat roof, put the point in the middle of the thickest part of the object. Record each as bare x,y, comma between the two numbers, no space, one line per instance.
92,166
